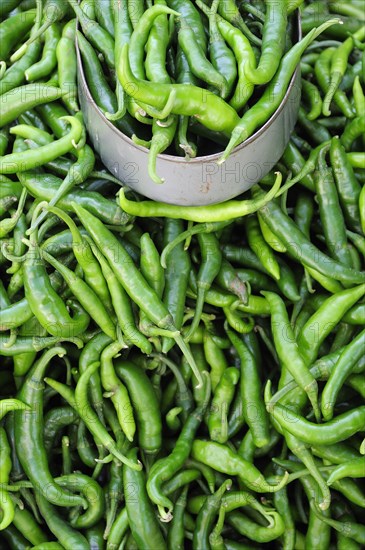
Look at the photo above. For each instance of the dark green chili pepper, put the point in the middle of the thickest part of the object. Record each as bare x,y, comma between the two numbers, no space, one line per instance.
316,132
15,539
176,277
176,534
96,34
206,516
250,391
218,411
29,435
330,212
145,405
295,162
223,459
164,468
142,520
54,420
302,249
85,449
67,535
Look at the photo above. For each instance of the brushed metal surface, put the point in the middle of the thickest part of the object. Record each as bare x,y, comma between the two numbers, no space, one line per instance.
198,181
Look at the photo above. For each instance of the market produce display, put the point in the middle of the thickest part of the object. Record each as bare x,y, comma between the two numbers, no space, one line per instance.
181,377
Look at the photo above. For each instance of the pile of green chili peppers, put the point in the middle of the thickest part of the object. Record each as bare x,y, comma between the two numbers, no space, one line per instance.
179,377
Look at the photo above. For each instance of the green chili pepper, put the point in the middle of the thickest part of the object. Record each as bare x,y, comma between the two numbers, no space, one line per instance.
29,435
142,520
88,299
116,390
302,249
164,468
223,395
250,391
206,516
96,34
333,431
273,44
349,357
21,99
276,89
330,212
145,405
199,214
321,323
66,534
179,99
48,61
7,505
132,280
224,460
